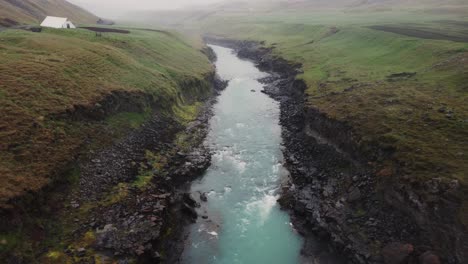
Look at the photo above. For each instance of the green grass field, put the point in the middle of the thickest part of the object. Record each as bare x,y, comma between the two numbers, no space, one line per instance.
47,75
348,67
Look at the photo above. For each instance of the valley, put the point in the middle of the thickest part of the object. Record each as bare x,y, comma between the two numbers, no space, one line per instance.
343,123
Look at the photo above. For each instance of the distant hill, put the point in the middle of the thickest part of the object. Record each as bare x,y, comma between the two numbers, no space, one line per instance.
197,14
13,12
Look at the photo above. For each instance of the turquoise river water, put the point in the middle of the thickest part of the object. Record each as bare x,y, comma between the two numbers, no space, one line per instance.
242,221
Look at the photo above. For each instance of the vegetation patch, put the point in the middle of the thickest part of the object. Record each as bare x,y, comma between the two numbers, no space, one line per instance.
128,120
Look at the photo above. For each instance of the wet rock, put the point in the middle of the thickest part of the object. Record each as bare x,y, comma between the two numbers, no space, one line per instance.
190,211
190,201
397,253
203,197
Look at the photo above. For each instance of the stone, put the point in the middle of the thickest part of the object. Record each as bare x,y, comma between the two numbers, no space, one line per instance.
354,195
429,257
189,200
188,210
396,253
203,197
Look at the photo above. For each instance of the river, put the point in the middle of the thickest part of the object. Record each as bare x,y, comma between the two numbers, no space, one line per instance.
241,221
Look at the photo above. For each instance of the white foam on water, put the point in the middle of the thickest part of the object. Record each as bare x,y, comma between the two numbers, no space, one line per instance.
213,233
276,168
228,155
227,189
263,207
262,189
241,165
240,125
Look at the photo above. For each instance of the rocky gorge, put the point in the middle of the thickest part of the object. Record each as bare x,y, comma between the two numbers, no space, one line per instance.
144,222
124,202
132,203
340,193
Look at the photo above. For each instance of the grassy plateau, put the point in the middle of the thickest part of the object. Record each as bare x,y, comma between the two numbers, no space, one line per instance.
48,77
66,94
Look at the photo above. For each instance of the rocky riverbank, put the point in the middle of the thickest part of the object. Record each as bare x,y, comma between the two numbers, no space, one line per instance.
339,193
137,189
129,201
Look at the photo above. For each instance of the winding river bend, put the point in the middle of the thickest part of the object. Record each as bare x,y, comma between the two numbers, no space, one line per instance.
241,221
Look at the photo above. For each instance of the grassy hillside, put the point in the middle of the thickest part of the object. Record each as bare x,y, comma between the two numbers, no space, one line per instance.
55,86
403,91
33,11
398,77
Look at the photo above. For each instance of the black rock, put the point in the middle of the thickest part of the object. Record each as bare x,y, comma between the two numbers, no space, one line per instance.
203,197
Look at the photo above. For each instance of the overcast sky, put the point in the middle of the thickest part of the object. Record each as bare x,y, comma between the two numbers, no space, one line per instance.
113,8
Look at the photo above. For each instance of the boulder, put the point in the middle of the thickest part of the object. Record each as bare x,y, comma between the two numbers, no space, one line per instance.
189,200
203,197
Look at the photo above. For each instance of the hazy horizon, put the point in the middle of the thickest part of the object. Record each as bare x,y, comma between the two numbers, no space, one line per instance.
115,8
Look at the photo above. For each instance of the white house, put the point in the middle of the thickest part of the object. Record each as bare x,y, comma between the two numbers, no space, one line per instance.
57,22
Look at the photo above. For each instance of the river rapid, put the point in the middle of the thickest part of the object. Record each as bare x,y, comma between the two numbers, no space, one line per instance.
241,222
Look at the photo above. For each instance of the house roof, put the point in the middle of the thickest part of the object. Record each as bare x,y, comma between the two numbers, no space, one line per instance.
54,22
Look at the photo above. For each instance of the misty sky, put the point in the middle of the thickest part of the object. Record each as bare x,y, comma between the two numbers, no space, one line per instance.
113,8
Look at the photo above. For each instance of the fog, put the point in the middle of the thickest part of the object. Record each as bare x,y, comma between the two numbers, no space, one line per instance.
116,8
